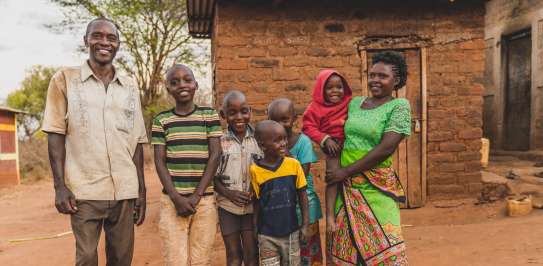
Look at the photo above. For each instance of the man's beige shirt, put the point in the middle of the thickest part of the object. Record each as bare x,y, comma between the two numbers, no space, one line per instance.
102,129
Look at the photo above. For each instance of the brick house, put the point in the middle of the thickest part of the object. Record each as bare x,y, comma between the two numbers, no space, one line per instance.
272,49
9,155
513,97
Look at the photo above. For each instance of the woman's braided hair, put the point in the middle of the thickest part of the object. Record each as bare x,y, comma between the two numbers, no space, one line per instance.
397,61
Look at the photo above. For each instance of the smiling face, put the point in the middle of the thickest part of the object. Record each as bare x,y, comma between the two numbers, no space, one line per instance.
181,84
381,80
333,90
103,42
274,142
237,114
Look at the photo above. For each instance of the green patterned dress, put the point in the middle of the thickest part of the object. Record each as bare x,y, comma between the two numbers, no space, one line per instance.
367,211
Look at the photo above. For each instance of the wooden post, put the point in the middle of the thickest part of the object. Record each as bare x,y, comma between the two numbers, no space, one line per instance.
424,122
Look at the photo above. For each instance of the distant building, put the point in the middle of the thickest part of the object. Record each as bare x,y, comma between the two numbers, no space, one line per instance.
9,153
513,97
270,49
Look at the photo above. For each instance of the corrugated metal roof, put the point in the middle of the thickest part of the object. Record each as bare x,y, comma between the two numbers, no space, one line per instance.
200,14
9,109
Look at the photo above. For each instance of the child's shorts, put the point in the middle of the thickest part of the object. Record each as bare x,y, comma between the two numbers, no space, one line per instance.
233,223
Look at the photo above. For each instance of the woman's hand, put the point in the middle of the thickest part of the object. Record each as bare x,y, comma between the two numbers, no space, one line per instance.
336,175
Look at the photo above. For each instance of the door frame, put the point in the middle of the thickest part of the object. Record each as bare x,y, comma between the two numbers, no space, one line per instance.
373,43
505,44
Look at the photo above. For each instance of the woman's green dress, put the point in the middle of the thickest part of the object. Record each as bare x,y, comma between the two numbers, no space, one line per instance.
367,211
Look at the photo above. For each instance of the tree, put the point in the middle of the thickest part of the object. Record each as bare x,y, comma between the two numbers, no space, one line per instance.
154,34
31,98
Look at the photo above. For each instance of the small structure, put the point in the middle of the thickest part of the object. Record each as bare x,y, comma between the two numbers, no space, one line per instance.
513,97
271,49
9,152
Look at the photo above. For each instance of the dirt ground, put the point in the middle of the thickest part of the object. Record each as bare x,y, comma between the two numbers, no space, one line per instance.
441,233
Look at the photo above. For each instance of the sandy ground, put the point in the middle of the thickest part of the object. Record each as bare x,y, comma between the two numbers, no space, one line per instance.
441,233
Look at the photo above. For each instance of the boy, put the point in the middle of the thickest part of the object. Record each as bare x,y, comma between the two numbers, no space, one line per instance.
233,181
300,148
279,183
187,148
323,122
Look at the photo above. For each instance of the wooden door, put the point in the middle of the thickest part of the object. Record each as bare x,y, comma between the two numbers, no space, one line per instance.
518,91
409,159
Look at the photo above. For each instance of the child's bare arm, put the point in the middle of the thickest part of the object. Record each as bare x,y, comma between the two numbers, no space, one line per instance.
304,207
215,152
307,168
181,203
256,210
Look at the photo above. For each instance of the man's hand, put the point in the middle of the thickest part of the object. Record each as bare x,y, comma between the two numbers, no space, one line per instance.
239,198
182,205
65,200
336,175
139,208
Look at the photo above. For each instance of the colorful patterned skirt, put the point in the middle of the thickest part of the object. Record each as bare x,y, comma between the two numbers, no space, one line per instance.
310,251
368,219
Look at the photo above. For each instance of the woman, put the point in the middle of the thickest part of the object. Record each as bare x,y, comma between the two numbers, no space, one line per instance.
367,211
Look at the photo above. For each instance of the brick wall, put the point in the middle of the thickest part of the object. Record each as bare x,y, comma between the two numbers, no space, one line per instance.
271,52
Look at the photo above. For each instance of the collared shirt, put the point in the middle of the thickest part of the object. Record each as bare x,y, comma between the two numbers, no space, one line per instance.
233,171
276,188
186,138
102,129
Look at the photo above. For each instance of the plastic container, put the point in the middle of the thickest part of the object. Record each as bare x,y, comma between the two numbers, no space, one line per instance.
519,205
485,151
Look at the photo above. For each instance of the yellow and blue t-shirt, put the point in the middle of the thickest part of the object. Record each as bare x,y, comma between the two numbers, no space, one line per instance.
276,189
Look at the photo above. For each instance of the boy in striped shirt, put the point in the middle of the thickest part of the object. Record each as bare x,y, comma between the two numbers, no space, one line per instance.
187,150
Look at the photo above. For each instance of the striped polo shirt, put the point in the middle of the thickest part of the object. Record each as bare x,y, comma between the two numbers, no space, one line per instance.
186,140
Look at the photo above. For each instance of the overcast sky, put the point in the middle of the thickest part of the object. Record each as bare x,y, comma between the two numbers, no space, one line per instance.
26,41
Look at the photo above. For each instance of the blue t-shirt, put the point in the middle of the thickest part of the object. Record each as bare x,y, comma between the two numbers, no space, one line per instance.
304,153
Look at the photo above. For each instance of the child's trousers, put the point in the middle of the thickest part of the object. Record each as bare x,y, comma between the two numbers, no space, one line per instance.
280,251
188,240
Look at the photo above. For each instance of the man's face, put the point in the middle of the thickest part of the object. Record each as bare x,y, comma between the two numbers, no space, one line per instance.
102,41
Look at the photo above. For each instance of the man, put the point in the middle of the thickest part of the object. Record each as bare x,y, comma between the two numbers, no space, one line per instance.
95,131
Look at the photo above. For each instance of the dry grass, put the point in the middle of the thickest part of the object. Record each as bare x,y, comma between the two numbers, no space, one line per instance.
34,161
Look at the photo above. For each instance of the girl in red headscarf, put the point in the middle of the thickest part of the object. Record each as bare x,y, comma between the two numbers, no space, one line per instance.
323,122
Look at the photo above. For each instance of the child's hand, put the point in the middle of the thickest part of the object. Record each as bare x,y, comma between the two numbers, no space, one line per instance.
332,147
194,199
239,198
182,206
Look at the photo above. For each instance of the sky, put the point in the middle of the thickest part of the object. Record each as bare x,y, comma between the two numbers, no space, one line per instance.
26,42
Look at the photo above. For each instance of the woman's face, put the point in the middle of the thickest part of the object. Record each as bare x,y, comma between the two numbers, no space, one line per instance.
381,80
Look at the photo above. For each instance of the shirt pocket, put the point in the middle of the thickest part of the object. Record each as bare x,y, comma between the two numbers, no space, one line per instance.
231,174
127,113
